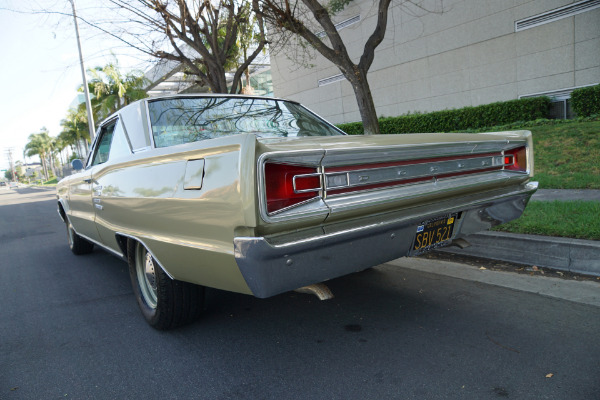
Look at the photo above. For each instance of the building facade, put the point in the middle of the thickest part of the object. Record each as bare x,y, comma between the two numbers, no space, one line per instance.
454,53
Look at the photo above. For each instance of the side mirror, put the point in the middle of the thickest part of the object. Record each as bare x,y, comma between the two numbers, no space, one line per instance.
77,164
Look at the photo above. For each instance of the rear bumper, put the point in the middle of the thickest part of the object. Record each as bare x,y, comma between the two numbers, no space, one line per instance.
276,264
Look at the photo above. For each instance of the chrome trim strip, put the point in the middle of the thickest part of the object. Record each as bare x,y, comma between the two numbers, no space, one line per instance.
373,176
405,152
149,251
274,214
319,175
60,215
141,149
149,124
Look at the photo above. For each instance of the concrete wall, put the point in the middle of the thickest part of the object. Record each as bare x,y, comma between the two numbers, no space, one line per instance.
464,53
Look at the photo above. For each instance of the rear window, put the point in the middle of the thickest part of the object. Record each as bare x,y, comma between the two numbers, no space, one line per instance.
185,120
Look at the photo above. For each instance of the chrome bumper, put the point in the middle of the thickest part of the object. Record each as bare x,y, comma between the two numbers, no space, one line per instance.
276,264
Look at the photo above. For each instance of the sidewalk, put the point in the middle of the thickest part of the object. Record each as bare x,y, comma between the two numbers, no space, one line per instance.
565,254
566,195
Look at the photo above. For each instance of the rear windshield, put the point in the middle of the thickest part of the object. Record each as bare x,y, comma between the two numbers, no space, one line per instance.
184,120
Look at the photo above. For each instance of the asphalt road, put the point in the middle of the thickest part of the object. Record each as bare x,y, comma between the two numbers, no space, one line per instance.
70,328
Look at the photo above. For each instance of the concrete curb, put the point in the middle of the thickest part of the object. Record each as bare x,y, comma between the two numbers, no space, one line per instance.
584,292
564,254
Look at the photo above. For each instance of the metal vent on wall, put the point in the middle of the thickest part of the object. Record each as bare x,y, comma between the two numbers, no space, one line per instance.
341,25
556,14
556,94
331,79
560,102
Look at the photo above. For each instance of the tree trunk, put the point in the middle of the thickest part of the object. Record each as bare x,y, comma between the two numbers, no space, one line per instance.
366,106
44,168
247,72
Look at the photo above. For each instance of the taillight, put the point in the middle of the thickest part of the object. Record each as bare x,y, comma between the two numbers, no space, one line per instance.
515,159
287,185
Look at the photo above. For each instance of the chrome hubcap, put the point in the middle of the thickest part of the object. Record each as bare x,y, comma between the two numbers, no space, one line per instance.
146,275
150,276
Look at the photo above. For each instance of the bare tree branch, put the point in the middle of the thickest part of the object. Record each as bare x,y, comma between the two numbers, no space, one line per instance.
202,35
305,17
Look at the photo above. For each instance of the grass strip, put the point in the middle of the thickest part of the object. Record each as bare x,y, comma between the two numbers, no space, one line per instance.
573,219
567,155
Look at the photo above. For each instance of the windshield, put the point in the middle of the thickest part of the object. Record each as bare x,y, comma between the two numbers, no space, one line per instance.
184,120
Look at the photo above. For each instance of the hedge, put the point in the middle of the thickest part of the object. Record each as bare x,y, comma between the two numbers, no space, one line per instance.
586,101
499,113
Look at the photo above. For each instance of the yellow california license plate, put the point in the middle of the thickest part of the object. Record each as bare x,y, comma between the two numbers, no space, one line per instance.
435,232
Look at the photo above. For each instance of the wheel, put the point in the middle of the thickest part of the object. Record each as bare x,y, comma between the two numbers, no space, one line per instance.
77,244
165,303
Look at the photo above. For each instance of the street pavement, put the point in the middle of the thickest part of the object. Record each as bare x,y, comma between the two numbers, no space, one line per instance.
409,329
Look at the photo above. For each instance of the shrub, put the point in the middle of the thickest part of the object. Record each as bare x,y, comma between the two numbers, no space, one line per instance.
499,113
586,101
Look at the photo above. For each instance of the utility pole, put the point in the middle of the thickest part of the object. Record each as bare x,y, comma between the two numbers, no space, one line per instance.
11,164
88,104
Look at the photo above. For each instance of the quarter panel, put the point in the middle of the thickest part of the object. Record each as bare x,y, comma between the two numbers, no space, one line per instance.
190,232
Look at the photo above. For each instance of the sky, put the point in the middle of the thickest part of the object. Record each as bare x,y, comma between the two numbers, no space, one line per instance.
40,68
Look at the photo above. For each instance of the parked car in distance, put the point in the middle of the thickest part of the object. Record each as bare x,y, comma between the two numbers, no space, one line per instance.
2,183
260,196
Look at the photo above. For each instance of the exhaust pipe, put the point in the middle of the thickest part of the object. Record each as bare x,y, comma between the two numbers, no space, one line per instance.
318,289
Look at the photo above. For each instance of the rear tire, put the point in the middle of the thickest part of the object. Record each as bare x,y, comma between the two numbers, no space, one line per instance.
165,303
77,244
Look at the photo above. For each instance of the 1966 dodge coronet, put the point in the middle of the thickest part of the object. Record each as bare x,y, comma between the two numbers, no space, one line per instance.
261,196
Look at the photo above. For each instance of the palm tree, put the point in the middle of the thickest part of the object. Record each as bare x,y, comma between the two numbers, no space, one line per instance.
39,144
113,90
59,145
75,131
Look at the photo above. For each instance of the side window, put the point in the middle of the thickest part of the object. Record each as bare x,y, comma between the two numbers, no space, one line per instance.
103,144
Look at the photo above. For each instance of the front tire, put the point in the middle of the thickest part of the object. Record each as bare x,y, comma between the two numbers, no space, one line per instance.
77,244
165,303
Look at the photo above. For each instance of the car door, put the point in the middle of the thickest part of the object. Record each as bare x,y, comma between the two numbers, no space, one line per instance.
108,178
82,201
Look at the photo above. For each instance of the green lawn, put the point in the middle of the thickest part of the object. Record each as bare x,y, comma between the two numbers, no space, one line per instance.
574,219
567,155
52,181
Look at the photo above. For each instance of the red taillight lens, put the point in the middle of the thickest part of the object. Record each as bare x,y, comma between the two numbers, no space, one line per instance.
287,185
515,159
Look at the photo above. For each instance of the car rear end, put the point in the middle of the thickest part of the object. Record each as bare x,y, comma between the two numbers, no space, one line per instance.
329,206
